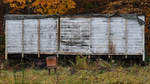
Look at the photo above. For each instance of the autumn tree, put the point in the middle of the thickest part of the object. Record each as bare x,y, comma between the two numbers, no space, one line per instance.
49,7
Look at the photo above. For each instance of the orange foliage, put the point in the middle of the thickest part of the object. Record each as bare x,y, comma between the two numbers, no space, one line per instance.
42,6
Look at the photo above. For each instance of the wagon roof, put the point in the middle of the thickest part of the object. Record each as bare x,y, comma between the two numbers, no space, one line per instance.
21,17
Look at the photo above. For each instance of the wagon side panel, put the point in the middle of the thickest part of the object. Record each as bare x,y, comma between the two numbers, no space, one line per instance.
48,40
30,36
74,35
14,36
99,35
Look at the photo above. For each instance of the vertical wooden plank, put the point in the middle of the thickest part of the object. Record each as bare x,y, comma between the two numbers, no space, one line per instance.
39,38
126,38
6,52
22,38
90,35
58,34
143,44
109,37
143,30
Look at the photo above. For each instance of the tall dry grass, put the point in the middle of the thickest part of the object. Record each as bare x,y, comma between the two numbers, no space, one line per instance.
83,72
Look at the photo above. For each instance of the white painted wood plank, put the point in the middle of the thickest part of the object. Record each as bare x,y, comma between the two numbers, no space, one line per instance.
48,42
14,36
76,32
135,37
118,34
31,36
99,35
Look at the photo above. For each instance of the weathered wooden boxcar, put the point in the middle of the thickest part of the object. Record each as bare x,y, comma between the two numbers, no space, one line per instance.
96,34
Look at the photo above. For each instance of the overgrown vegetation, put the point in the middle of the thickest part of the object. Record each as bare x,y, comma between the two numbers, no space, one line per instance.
81,72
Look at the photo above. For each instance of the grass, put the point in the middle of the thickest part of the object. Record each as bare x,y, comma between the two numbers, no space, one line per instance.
99,72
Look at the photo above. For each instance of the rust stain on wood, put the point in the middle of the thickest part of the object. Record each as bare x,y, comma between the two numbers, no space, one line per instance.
111,47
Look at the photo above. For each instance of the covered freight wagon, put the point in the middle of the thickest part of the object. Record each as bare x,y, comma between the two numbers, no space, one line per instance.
98,34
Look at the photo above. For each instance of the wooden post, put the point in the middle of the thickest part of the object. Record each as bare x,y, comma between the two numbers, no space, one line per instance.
126,38
90,34
39,38
6,52
58,34
22,38
49,71
109,37
90,40
55,69
143,34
